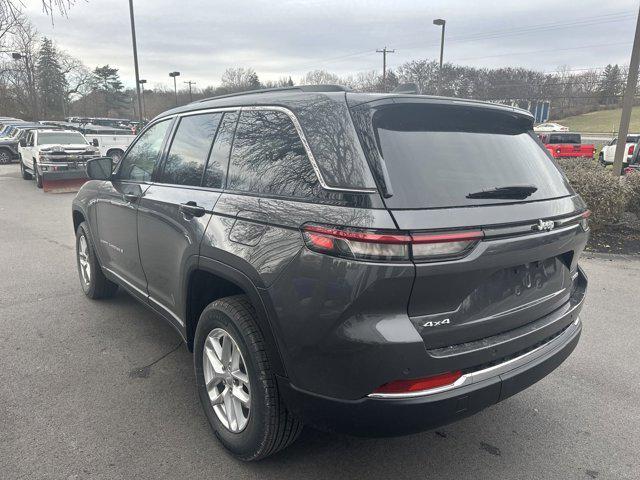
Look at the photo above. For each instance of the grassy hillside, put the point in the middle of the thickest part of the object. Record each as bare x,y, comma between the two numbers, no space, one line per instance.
603,121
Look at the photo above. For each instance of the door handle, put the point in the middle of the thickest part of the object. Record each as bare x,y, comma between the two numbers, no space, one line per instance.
129,197
192,209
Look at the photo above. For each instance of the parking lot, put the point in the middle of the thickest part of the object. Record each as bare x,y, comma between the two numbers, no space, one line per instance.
106,390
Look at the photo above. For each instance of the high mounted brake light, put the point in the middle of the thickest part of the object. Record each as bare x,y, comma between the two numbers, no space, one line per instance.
389,246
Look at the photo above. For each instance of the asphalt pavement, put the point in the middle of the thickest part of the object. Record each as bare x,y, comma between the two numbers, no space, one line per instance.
105,389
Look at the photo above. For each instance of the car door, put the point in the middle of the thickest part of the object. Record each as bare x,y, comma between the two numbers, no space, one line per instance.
174,211
116,211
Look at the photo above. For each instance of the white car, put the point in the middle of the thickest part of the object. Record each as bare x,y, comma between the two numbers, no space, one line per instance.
550,127
608,152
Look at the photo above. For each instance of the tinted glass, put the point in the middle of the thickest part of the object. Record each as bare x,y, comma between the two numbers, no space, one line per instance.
437,155
632,139
219,157
140,160
189,150
569,138
268,157
63,138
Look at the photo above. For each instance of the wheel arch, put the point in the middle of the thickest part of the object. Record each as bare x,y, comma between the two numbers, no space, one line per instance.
78,218
209,280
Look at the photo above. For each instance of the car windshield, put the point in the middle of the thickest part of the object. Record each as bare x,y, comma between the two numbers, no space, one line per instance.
60,138
436,155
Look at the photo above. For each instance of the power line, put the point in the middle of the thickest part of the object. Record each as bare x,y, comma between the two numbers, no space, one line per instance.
545,51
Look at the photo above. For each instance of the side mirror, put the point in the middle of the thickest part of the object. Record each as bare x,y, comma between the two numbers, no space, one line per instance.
100,168
23,142
94,142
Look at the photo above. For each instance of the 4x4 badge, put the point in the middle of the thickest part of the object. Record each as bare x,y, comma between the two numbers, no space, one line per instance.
544,225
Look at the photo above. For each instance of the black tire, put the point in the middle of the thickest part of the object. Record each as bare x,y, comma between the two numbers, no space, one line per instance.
116,156
601,158
98,285
37,175
271,427
25,175
5,156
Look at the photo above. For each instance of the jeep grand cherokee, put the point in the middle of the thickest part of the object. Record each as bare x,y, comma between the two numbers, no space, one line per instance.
375,264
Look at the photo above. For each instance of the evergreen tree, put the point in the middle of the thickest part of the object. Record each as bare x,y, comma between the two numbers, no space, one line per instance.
106,82
611,85
51,82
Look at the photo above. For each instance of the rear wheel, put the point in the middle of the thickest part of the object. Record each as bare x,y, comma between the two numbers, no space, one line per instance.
37,175
601,158
5,156
25,175
94,284
236,384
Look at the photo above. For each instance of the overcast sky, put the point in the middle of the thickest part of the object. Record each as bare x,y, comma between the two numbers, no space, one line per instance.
201,38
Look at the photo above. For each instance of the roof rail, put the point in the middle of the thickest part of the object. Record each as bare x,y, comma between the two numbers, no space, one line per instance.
302,88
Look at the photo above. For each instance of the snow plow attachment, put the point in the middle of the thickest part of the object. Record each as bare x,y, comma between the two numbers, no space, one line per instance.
63,181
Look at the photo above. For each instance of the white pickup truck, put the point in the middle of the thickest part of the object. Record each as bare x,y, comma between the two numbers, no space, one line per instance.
54,155
608,151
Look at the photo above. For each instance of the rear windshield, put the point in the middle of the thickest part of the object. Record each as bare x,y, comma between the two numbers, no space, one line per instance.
632,139
60,138
436,155
565,138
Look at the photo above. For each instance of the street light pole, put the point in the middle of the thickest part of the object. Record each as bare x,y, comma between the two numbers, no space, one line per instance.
144,107
441,22
135,59
175,85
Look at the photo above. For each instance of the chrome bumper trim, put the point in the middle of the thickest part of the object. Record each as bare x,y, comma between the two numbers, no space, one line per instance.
493,371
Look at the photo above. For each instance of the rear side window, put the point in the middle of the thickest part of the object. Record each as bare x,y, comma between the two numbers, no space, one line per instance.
436,155
219,157
190,149
268,157
569,138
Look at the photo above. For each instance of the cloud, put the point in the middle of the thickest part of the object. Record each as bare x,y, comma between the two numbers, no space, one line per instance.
202,38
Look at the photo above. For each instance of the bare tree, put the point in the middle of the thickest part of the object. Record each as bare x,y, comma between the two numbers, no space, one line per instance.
319,77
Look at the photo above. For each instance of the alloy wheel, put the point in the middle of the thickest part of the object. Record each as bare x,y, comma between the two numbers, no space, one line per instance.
227,380
83,258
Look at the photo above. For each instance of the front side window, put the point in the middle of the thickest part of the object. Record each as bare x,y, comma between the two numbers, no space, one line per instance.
140,160
189,150
268,157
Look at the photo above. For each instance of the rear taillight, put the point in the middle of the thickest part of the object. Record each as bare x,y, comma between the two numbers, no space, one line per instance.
389,246
631,149
419,384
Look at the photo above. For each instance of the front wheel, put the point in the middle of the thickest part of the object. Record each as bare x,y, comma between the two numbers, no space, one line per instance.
37,175
25,175
236,384
94,284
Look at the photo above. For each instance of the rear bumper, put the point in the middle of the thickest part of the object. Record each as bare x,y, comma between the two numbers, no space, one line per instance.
399,416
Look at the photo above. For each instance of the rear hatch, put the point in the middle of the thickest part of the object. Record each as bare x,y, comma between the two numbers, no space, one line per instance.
452,169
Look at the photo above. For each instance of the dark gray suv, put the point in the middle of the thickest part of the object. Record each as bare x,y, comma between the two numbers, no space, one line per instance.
374,264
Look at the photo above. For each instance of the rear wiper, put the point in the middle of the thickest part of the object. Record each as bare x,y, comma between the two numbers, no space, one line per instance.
517,192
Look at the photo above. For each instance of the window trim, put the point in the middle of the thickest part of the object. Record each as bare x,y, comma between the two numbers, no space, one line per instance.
299,130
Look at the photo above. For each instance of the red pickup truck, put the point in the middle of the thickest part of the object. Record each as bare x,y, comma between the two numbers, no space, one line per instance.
566,145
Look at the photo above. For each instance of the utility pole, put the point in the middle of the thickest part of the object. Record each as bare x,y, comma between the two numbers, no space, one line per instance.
135,59
627,102
384,52
190,94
